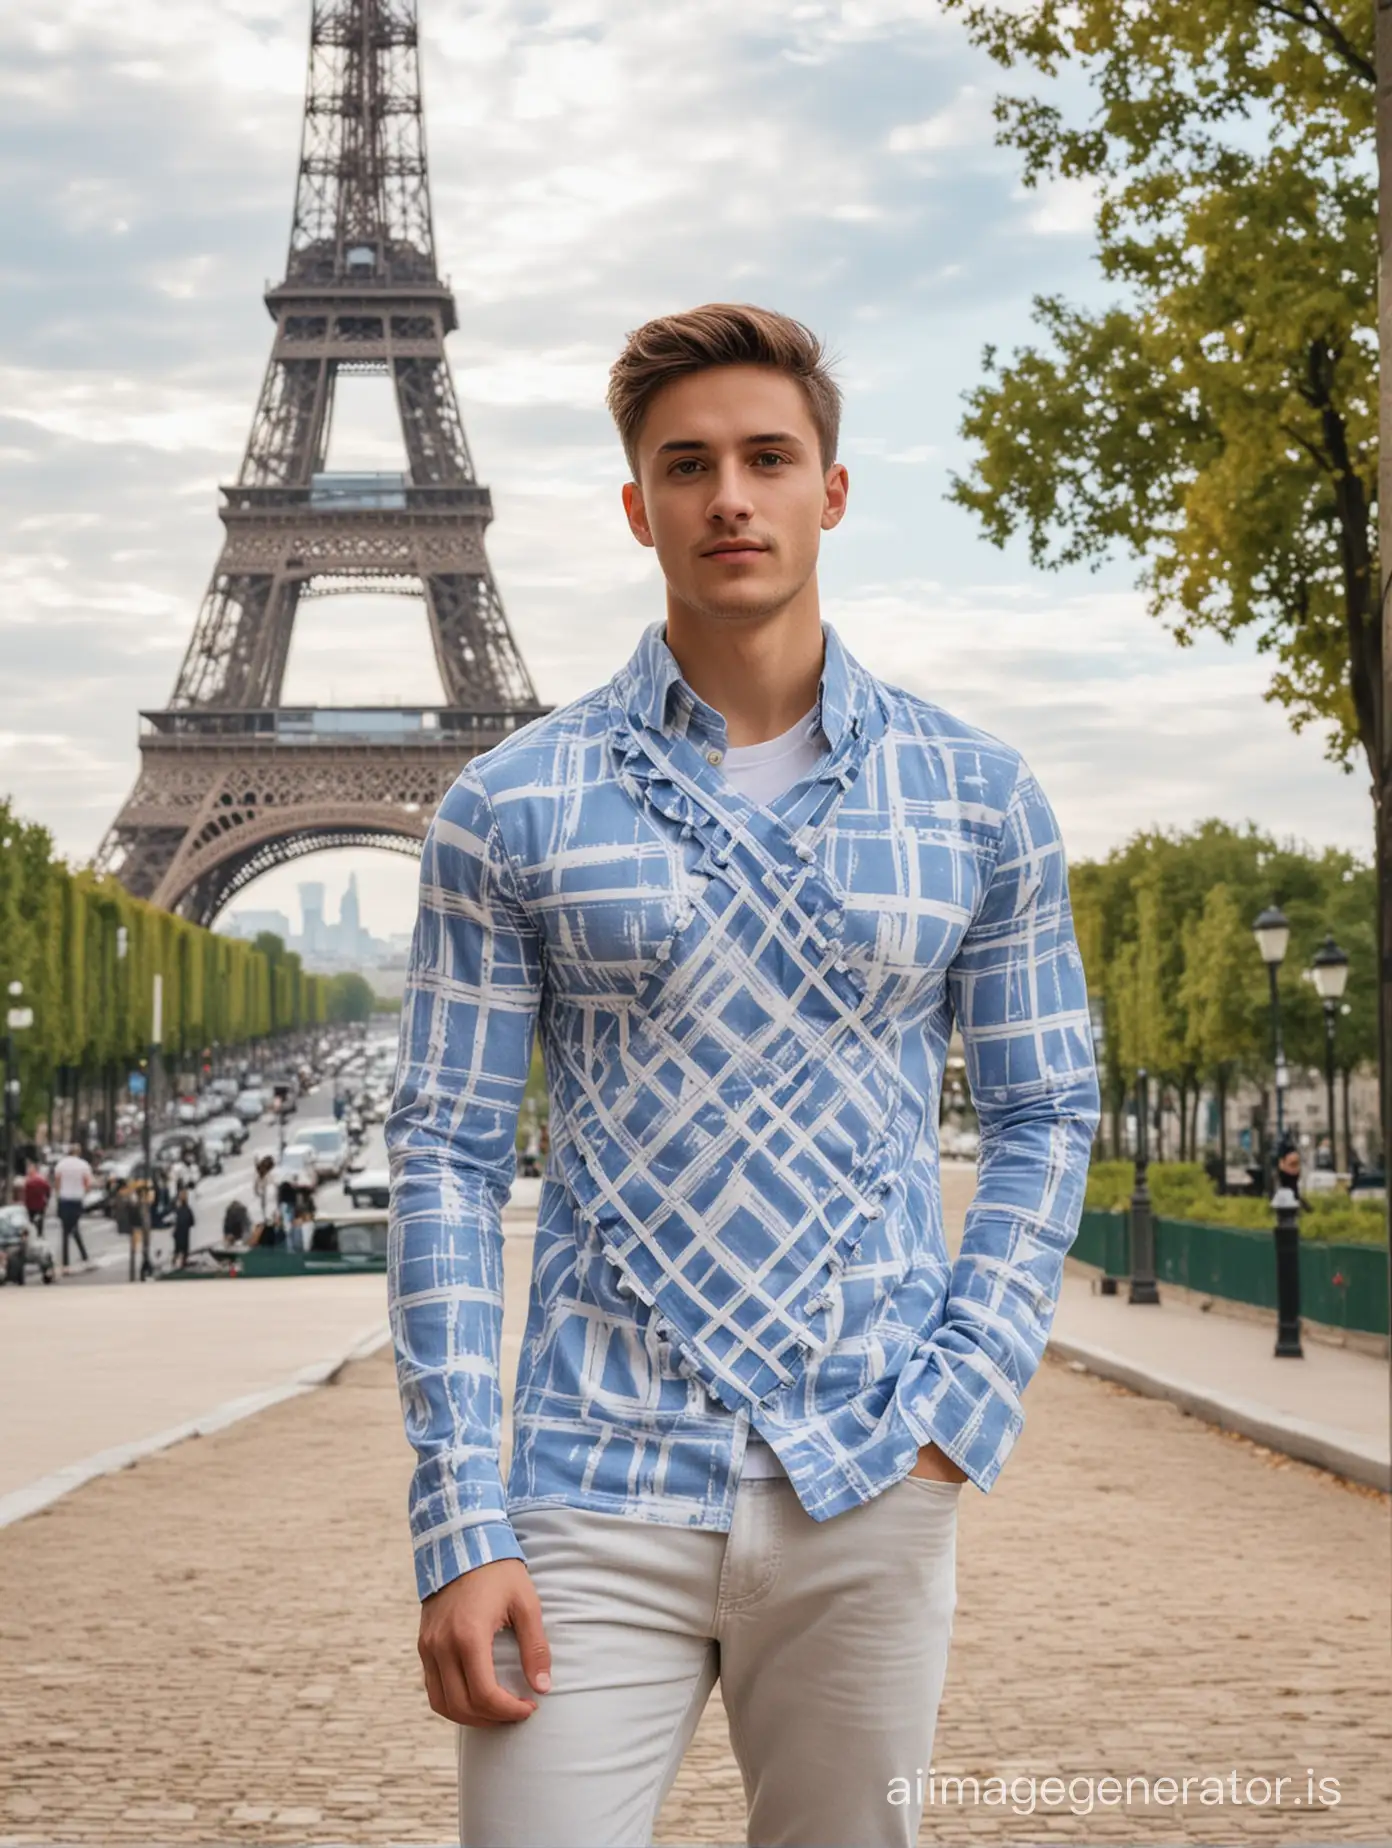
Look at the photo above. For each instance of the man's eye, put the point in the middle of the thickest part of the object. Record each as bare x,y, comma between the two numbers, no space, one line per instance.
687,465
770,455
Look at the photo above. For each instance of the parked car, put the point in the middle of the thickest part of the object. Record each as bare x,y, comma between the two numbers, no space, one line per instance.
250,1105
329,1145
209,1153
22,1254
370,1188
230,1129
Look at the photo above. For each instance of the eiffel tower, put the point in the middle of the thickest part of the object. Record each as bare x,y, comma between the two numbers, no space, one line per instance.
231,781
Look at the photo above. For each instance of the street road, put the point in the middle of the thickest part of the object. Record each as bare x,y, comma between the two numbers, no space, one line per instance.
110,1253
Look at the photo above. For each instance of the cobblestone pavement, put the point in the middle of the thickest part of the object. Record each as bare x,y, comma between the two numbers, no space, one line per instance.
218,1645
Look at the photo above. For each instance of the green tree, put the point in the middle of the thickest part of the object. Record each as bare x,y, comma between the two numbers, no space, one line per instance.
349,997
1220,995
1217,421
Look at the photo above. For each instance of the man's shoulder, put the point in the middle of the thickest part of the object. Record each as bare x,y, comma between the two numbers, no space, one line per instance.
984,767
542,757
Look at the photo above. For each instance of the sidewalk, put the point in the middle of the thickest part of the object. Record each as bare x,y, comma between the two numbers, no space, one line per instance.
1330,1408
220,1644
90,1377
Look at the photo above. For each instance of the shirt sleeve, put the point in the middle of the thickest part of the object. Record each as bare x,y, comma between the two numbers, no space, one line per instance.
1019,993
468,1015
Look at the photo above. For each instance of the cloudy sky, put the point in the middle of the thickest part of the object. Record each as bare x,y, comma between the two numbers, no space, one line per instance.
594,162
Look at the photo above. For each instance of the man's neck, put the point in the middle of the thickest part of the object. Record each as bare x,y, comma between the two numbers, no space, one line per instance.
761,675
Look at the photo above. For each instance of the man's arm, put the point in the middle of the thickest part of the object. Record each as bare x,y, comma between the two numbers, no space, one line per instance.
1019,994
473,987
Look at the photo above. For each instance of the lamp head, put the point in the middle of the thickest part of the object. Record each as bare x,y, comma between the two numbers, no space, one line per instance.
1329,967
1272,933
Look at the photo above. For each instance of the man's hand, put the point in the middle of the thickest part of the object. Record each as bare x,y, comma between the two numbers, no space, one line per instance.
938,1465
458,1624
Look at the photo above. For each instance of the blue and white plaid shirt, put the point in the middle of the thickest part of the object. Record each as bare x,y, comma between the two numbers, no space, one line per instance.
744,1016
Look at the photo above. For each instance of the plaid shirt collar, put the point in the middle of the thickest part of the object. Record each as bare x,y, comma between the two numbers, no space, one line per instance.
654,694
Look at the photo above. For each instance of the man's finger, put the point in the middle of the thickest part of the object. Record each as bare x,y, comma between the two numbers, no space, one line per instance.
488,1699
532,1646
458,1706
434,1691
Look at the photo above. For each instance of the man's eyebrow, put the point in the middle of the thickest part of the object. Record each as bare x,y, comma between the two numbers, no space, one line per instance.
681,444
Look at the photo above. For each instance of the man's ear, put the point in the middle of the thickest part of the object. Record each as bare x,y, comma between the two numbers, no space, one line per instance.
838,484
637,513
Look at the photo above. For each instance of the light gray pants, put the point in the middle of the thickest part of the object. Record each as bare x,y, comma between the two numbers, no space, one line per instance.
829,1638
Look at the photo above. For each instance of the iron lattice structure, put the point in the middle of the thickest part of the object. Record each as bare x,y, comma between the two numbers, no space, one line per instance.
231,783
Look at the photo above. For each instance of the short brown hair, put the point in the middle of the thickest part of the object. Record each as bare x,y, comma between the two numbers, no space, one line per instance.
721,334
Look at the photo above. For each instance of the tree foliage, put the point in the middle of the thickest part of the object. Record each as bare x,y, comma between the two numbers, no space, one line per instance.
1164,927
1218,421
60,938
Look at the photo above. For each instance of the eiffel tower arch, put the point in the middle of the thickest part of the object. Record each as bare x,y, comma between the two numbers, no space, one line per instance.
232,782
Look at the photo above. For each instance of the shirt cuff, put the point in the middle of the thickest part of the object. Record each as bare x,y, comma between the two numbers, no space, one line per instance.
950,1404
441,1558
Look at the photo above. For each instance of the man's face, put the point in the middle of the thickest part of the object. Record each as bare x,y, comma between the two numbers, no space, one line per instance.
732,492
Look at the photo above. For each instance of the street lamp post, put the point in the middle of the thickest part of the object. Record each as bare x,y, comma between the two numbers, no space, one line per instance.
1329,967
1143,1289
148,1230
1272,932
1097,1018
17,1018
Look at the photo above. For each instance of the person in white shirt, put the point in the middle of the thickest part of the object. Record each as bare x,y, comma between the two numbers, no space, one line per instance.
72,1180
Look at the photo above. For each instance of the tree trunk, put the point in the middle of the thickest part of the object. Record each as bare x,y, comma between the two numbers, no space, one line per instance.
1184,1119
1223,1126
1348,1129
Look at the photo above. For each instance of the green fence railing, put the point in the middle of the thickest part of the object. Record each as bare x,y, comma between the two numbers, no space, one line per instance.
1343,1286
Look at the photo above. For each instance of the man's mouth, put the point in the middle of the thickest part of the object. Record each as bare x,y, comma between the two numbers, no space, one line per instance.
733,548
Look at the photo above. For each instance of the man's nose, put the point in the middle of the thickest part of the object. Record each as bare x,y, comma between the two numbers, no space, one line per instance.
729,499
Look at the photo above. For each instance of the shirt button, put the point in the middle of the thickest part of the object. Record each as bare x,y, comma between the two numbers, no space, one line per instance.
714,757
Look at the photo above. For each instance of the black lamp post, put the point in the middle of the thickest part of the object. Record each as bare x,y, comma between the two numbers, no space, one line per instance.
16,1019
1143,1288
1097,1022
1329,968
1273,935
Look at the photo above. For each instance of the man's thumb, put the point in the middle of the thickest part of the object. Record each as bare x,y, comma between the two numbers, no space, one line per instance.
532,1646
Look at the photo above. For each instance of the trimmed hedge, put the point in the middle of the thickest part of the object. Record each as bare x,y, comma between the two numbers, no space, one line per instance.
1183,1190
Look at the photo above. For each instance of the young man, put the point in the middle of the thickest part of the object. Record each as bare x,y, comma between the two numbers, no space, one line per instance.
744,887
73,1179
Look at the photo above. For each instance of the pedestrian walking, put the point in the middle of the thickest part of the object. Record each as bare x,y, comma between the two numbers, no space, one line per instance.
184,1223
36,1195
123,1209
73,1179
236,1223
143,1223
264,1185
1288,1170
745,888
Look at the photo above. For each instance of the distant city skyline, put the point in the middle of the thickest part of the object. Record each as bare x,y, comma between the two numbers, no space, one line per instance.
325,946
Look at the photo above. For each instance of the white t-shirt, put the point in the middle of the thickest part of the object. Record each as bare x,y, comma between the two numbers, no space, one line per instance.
762,772
72,1176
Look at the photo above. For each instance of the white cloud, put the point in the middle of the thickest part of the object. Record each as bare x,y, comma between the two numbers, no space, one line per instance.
966,122
1061,207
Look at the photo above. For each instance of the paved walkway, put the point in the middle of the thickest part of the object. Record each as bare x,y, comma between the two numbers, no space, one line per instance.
83,1371
218,1645
1330,1406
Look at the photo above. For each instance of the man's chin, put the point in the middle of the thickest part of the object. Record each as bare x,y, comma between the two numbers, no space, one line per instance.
746,602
